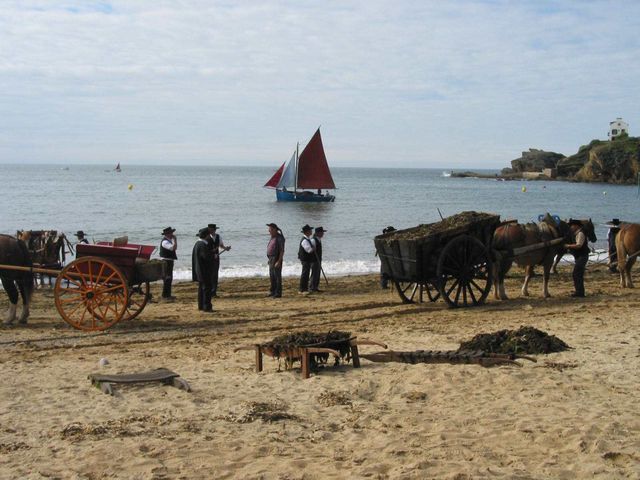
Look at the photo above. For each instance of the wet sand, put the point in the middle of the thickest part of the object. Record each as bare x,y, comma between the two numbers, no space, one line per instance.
570,415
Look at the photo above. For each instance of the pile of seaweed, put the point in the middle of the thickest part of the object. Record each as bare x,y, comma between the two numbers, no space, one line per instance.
334,339
460,221
524,340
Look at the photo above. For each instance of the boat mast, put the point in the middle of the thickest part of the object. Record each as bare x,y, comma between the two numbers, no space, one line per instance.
295,188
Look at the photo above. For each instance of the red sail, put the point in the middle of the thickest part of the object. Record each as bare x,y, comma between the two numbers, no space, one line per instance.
313,170
273,181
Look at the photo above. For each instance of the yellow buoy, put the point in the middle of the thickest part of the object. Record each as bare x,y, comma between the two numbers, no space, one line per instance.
130,187
524,189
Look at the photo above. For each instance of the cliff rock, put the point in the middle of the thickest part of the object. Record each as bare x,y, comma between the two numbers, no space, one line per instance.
535,161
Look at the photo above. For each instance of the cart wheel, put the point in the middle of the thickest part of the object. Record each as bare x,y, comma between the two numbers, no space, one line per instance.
138,297
464,272
412,292
95,296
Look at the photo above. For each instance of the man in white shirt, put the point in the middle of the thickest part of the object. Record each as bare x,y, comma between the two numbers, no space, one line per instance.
307,257
168,247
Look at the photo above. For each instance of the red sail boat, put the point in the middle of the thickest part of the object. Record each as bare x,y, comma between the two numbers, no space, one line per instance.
309,170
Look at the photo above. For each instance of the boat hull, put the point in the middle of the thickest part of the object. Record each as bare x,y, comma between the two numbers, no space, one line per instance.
304,196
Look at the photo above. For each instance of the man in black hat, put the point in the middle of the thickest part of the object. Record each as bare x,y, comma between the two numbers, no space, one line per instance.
614,229
316,268
216,245
168,247
307,257
580,251
81,237
275,254
384,278
201,265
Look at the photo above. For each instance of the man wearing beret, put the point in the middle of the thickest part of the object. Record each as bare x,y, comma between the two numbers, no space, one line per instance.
316,268
275,255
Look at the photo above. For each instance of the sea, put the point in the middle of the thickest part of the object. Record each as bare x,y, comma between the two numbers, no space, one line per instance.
140,201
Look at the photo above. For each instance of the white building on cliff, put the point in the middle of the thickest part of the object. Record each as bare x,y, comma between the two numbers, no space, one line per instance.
617,128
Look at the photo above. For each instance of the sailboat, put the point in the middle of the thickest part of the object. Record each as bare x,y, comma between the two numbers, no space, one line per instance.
307,170
117,169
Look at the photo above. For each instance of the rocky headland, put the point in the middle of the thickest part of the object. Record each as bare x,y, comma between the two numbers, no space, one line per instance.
615,161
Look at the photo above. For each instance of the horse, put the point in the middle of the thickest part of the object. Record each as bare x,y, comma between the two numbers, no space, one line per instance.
14,252
628,249
514,235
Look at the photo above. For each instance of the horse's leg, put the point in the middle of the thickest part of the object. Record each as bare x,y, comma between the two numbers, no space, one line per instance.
546,273
622,261
10,287
503,269
528,273
26,300
556,261
630,262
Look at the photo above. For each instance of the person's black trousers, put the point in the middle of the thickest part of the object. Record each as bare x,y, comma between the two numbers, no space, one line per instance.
275,276
304,276
168,279
214,275
578,273
204,295
315,276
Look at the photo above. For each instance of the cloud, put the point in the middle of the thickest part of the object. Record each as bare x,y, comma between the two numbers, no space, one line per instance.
426,83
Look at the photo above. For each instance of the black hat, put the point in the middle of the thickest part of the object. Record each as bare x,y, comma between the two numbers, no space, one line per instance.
319,229
79,233
203,232
388,229
168,230
613,223
212,225
272,225
306,228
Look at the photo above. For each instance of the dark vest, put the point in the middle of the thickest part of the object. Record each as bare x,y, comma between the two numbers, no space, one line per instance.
214,243
584,250
165,253
303,256
318,247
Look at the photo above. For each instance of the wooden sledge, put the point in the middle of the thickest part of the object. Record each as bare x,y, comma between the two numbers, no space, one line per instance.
163,375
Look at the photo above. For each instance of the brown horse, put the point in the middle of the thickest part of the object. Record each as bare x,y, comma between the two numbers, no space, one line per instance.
14,252
515,235
628,248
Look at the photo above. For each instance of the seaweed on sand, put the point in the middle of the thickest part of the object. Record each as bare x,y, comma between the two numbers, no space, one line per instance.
524,340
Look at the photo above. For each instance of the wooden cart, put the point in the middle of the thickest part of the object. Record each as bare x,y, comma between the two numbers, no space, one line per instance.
450,259
103,285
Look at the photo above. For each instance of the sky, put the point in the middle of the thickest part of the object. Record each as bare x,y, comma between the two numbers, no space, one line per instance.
416,84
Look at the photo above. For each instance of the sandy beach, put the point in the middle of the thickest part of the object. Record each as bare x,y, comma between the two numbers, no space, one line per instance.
570,415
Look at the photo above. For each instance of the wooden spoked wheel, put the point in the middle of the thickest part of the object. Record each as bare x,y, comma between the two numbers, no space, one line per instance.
412,292
91,294
464,272
139,296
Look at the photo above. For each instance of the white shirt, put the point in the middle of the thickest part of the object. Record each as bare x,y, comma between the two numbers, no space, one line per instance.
310,244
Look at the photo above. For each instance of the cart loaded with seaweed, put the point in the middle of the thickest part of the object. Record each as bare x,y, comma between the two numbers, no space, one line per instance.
449,259
105,284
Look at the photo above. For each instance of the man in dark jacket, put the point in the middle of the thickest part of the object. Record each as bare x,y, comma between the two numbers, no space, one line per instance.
580,251
201,270
316,268
216,245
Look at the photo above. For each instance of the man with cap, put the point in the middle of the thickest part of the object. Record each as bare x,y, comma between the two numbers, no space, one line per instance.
614,229
307,257
316,268
275,254
201,266
81,237
168,247
215,244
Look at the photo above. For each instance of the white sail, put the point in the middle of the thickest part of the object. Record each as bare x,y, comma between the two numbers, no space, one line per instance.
288,178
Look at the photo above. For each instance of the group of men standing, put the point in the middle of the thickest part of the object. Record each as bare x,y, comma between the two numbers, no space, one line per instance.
309,254
205,263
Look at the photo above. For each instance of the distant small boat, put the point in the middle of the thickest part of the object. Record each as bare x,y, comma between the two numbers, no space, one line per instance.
117,169
446,174
307,170
64,168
